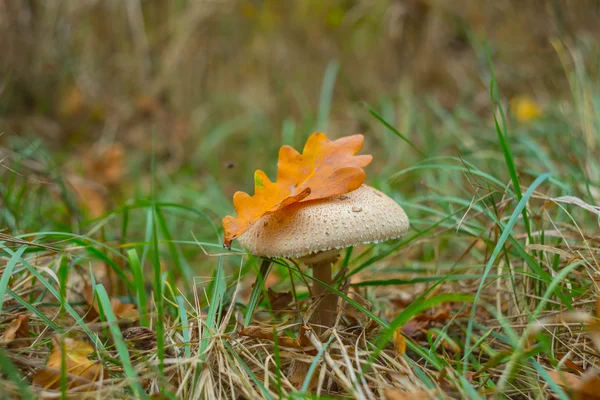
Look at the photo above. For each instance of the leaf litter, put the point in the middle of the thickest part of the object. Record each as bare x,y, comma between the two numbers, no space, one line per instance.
79,369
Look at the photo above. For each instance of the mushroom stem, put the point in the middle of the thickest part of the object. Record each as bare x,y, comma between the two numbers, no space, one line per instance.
326,311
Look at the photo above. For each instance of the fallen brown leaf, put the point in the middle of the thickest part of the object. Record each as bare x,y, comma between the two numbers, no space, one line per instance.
121,310
79,368
92,197
421,322
105,166
415,325
568,364
397,394
579,387
297,375
279,301
355,317
17,329
265,333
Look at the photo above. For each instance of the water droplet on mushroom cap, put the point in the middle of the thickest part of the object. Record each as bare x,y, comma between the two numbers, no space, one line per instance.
365,216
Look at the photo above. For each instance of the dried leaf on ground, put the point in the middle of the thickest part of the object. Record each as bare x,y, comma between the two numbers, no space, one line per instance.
121,310
265,333
79,368
397,394
279,301
421,322
399,342
414,326
105,166
91,196
17,329
324,169
579,387
568,364
354,315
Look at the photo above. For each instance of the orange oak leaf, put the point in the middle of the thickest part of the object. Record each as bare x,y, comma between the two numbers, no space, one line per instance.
325,168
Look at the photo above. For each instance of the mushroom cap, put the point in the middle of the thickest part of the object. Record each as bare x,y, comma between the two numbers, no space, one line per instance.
362,216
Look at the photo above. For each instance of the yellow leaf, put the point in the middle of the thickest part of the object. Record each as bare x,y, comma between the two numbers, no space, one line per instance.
525,109
80,370
324,169
399,342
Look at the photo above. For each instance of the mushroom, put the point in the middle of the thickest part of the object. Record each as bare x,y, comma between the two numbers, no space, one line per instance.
316,231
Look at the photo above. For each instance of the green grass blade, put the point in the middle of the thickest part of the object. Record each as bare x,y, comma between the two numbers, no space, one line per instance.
10,369
395,282
503,139
553,385
140,286
327,94
8,270
258,288
182,267
24,303
158,293
313,365
121,346
402,243
393,129
56,294
444,167
499,245
185,326
415,308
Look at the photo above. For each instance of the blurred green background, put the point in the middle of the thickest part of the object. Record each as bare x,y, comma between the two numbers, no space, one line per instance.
93,94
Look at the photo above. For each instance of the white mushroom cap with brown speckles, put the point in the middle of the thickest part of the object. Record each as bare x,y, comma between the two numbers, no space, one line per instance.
362,216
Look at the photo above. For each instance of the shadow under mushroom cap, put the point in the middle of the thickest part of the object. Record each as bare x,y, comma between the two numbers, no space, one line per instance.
365,215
